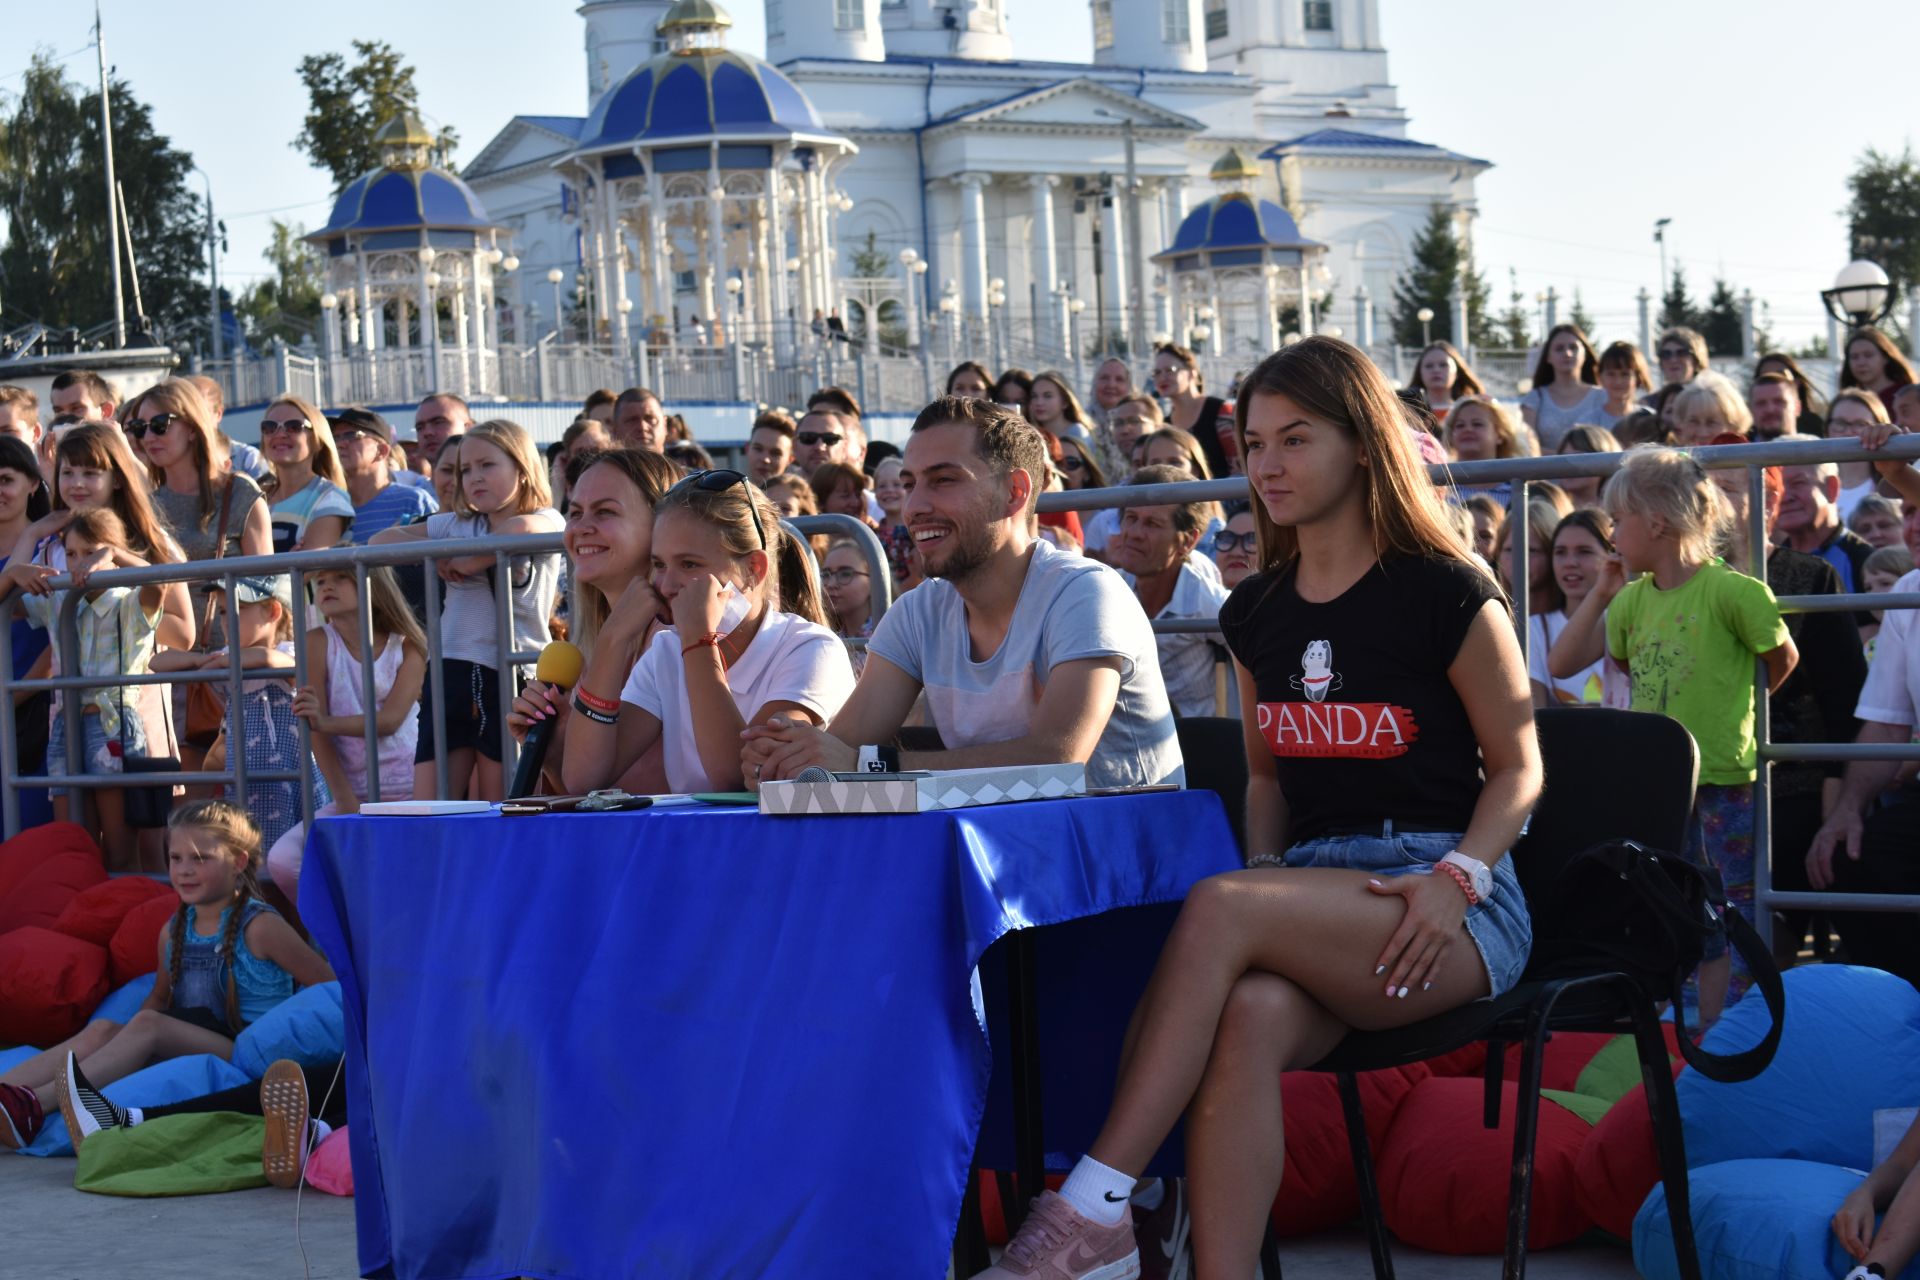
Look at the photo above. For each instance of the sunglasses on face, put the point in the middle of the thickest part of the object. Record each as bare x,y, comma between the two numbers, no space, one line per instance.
827,438
719,481
158,424
268,427
1226,543
1072,463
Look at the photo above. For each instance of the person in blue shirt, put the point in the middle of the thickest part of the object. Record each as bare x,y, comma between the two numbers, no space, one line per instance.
364,440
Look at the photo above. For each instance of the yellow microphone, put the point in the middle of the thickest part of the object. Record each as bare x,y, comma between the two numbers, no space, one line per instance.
560,665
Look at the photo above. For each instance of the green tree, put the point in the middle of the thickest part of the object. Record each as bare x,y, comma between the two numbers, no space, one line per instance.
870,261
346,103
1580,316
1676,305
1883,215
1513,330
1439,259
53,201
286,305
1720,324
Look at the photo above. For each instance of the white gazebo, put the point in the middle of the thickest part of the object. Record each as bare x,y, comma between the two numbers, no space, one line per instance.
410,269
1234,263
709,178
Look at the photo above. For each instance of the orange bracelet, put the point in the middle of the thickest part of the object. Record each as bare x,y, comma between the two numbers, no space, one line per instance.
1460,878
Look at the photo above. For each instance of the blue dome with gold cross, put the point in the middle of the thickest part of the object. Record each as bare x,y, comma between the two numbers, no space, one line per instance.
1237,228
406,194
700,91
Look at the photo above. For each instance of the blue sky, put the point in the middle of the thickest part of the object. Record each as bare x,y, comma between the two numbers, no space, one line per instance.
1738,119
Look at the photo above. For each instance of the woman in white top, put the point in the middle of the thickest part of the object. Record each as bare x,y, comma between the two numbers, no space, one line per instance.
1582,543
748,641
1566,388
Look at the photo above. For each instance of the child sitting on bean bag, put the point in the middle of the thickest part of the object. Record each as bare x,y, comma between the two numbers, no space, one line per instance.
1894,1188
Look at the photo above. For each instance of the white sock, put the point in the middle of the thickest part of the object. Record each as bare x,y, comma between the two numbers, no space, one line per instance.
134,1116
319,1132
1149,1194
1098,1192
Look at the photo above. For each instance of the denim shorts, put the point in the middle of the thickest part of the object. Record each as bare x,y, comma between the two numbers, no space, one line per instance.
98,753
1500,927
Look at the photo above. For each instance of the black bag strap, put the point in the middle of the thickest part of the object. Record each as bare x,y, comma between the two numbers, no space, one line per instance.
1650,873
1732,1068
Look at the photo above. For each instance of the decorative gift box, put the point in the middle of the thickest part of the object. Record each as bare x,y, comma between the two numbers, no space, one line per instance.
944,789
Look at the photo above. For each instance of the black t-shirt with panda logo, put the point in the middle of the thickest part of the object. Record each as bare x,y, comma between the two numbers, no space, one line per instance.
1354,697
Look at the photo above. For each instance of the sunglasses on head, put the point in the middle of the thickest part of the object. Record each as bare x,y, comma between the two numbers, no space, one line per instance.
719,481
827,438
1226,543
268,427
158,424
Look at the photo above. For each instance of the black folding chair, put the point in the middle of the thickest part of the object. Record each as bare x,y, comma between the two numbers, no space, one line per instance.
1609,775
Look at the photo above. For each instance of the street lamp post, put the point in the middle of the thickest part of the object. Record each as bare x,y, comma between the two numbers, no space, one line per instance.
1425,316
1660,238
554,277
215,339
1861,296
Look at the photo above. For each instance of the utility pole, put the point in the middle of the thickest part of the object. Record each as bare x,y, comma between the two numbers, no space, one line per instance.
216,340
1137,276
1660,238
113,203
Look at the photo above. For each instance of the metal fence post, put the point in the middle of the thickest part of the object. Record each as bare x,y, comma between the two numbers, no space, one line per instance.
1762,722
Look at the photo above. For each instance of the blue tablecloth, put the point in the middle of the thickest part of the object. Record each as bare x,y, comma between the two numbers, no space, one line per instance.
705,1043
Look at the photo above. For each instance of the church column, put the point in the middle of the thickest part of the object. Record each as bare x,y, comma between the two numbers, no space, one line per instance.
777,264
601,243
1306,297
460,331
481,270
823,241
365,290
803,253
1046,269
620,288
973,245
1269,330
716,296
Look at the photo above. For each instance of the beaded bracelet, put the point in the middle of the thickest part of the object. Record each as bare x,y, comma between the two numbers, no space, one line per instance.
597,702
591,713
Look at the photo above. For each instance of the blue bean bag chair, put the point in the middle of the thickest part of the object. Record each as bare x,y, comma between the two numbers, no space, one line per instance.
1754,1220
310,1028
1850,1045
124,1003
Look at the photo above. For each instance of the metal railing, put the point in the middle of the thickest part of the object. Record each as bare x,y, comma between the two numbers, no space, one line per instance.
298,567
1521,473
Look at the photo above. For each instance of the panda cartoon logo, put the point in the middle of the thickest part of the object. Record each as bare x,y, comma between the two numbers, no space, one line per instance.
1317,678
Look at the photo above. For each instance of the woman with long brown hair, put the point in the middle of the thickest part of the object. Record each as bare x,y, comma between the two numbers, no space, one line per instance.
1209,419
1442,375
307,494
1566,387
1379,892
1874,364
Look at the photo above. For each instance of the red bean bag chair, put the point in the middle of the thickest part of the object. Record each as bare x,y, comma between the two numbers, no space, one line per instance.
95,914
1618,1165
40,895
50,984
1467,1060
993,1214
135,941
1318,1189
35,845
1443,1176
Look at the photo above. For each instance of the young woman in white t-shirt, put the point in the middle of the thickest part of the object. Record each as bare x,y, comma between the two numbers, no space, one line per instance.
748,641
1582,543
503,490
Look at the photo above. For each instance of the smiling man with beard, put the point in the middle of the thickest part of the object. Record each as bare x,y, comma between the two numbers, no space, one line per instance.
1027,655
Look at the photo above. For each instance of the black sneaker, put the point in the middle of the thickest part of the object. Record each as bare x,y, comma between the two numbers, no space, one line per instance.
84,1108
1161,1233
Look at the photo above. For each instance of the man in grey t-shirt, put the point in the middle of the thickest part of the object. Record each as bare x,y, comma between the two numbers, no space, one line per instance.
1027,655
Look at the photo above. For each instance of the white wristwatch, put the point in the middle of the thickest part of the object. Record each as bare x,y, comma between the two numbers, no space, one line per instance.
1479,875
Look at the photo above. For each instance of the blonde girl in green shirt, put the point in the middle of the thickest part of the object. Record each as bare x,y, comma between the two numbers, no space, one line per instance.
1688,629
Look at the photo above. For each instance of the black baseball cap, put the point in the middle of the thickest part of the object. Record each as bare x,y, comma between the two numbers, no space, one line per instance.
348,421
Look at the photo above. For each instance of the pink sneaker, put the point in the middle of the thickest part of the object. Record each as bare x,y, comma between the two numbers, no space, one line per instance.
1057,1242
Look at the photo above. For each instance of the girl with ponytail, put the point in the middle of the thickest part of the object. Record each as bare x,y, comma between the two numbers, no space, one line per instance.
226,959
746,640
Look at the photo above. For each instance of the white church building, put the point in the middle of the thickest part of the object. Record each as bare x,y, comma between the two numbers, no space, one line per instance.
705,182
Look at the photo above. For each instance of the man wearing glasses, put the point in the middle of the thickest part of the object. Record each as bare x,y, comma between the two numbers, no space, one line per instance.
1154,553
364,441
1026,654
819,439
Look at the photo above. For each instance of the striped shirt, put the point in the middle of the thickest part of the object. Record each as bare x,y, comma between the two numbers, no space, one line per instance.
395,504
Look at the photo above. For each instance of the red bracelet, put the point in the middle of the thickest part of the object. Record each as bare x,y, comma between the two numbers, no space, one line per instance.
712,638
598,703
1460,878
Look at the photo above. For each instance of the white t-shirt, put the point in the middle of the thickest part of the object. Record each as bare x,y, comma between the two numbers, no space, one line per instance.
789,660
1891,694
1187,659
467,617
1070,608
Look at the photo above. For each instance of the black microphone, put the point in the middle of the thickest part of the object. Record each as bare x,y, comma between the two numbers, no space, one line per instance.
560,665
